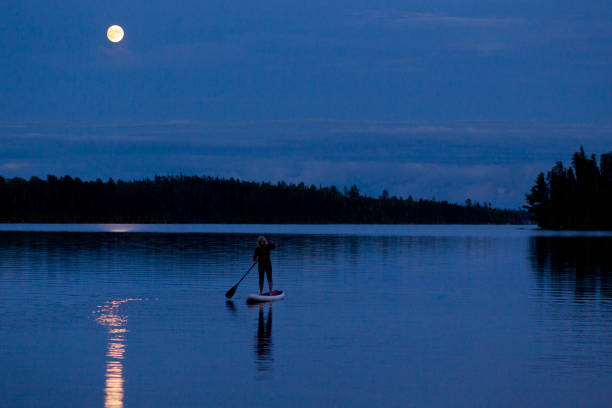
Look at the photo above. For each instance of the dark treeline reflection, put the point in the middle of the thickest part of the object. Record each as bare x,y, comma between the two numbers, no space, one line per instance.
580,267
214,200
182,246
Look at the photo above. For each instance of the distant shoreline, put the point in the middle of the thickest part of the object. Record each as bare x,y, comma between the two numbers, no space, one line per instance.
277,229
258,223
208,200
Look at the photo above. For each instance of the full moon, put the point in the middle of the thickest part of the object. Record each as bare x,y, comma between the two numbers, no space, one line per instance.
114,33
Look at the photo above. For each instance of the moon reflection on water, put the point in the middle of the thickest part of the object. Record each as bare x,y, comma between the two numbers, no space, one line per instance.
108,316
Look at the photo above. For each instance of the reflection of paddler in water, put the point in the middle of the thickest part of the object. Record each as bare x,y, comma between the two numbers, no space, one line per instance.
263,340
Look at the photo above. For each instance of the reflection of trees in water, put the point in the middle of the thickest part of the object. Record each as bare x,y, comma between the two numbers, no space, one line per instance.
578,265
571,308
263,340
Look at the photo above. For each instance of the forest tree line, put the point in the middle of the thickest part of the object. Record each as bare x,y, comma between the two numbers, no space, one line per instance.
193,199
578,197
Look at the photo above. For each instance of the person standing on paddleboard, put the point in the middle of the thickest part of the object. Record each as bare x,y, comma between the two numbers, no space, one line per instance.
262,257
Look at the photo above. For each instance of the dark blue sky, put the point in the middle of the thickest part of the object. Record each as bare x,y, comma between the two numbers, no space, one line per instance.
444,99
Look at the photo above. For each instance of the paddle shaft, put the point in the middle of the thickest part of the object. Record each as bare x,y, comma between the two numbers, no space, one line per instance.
246,273
231,292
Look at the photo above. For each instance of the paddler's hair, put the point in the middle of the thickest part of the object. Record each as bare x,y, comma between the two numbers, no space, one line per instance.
264,239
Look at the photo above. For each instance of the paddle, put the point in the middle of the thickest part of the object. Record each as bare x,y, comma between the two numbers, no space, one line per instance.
231,292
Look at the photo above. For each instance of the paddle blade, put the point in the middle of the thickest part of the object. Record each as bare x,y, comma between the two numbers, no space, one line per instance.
231,292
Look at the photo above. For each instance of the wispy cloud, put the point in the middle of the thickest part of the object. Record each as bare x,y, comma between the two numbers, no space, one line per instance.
13,165
399,19
483,34
491,161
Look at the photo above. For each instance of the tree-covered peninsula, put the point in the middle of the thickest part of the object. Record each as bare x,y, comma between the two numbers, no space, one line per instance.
578,197
193,199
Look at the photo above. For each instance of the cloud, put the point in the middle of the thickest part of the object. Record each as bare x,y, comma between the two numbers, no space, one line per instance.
12,165
401,19
483,34
485,161
503,185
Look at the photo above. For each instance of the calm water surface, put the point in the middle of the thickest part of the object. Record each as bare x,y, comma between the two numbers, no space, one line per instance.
431,316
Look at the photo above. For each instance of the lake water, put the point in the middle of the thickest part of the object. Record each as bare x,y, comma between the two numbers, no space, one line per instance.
423,316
